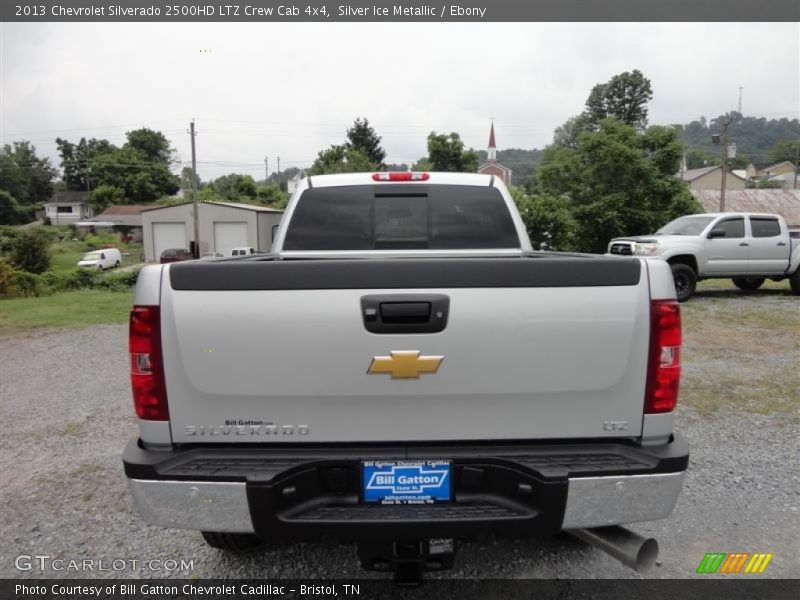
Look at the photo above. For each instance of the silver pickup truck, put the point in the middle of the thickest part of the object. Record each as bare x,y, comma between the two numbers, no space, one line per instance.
747,247
402,371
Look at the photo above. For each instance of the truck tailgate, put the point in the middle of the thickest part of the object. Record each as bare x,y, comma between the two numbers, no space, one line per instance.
278,351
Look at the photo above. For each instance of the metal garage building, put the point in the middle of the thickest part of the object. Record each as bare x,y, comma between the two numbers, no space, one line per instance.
223,225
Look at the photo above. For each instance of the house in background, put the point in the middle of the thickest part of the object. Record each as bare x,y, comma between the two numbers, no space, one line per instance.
784,180
66,208
125,219
785,203
710,178
766,170
491,166
291,184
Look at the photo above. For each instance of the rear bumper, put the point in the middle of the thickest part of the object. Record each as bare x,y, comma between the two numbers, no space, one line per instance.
313,493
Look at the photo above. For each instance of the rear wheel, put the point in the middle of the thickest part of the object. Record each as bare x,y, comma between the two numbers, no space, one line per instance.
685,281
748,283
116,264
233,542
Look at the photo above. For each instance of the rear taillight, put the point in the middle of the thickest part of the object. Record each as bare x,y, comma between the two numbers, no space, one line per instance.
664,361
400,176
147,366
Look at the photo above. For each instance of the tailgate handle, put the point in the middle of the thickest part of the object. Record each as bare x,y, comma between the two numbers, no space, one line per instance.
405,313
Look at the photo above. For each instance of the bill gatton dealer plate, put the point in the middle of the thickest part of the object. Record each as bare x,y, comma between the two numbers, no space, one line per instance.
406,481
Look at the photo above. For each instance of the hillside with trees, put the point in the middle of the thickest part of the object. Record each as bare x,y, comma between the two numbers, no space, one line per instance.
757,139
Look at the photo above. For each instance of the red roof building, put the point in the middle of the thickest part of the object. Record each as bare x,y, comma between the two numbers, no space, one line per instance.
491,166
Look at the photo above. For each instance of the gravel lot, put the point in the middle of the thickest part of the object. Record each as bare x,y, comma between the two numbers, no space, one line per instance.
66,416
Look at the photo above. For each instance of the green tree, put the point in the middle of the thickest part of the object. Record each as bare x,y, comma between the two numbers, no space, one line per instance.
141,181
423,164
784,150
568,135
141,167
151,146
447,153
32,252
362,137
26,177
186,180
618,181
76,158
235,187
624,97
341,159
11,213
105,195
547,218
396,167
272,194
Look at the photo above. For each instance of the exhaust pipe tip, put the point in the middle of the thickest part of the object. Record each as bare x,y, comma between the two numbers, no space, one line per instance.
647,555
631,549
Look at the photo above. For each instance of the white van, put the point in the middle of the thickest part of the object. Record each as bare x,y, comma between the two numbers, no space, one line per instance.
102,259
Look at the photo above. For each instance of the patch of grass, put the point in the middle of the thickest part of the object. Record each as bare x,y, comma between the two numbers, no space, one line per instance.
766,393
64,262
741,353
87,470
68,309
727,284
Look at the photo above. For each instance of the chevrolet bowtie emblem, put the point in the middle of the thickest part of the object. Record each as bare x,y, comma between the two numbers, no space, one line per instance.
405,364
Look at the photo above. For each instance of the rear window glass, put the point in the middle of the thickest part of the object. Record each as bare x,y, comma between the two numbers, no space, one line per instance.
397,217
765,227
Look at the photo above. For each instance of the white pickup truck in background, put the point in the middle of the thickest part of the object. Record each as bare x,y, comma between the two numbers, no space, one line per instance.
402,371
746,247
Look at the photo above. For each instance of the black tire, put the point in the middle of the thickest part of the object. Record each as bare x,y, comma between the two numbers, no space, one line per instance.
685,281
794,282
232,542
116,264
748,283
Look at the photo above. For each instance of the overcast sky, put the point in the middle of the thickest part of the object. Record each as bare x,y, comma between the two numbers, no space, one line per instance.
290,90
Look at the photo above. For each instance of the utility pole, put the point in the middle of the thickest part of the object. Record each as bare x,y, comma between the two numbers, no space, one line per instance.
740,99
796,164
723,140
88,190
195,203
279,165
266,169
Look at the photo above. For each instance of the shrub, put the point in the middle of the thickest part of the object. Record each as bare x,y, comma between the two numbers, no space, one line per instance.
94,241
82,278
8,239
6,271
55,282
31,251
22,283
